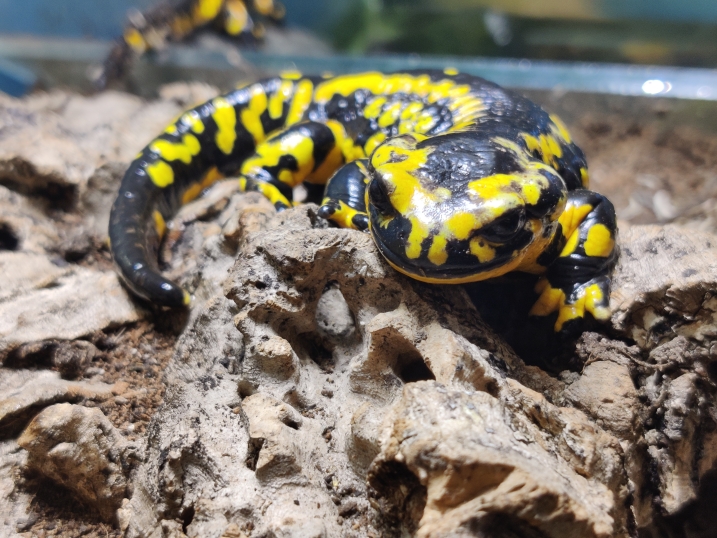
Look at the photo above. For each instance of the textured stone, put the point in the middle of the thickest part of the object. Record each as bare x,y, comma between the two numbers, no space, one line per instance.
78,448
26,391
456,462
81,303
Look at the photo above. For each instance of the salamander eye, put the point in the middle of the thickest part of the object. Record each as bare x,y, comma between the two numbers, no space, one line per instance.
378,197
505,227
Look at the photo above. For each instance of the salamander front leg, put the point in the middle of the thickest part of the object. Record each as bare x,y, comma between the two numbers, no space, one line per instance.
344,199
307,151
578,281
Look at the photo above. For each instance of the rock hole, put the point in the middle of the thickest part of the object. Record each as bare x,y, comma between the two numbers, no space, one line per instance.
288,421
410,367
9,239
245,388
313,346
503,526
712,371
187,517
252,456
399,492
298,401
35,354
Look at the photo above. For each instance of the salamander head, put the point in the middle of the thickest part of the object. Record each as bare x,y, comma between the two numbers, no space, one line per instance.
461,207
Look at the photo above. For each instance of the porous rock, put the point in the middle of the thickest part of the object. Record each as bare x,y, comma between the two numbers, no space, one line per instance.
79,304
27,391
79,448
288,410
458,462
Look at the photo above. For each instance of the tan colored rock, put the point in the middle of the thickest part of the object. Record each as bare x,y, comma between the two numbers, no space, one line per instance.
25,271
79,448
605,389
272,433
477,467
26,391
16,514
664,282
82,303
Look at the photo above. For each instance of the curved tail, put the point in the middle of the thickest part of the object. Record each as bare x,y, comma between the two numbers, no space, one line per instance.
206,143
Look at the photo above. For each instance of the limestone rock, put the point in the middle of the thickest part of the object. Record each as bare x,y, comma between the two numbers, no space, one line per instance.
15,513
456,462
79,448
81,303
288,409
26,391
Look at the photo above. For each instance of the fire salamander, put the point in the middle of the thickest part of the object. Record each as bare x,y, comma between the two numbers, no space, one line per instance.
456,179
175,20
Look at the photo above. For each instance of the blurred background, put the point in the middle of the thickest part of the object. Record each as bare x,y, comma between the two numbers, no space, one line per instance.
682,34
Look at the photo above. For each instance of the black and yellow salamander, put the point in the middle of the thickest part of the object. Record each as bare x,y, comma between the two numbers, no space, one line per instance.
456,179
174,20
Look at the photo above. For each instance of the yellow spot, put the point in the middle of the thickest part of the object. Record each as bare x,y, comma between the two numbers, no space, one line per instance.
265,7
549,301
373,109
374,141
237,17
253,125
572,217
484,252
343,151
344,215
451,71
175,151
570,311
599,241
290,75
562,129
161,173
272,193
195,190
437,254
134,39
301,101
269,153
207,10
531,143
186,298
462,224
594,298
390,114
425,122
159,223
251,115
571,244
276,102
419,232
192,119
585,177
226,118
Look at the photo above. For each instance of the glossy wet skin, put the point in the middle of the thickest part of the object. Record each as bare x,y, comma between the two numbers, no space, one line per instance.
461,208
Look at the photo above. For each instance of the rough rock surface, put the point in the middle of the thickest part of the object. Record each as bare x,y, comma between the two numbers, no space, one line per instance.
312,390
79,448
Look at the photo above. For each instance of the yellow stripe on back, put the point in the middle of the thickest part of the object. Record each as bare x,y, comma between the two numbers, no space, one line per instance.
226,119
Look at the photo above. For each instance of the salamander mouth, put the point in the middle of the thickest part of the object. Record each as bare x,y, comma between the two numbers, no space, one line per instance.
451,274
